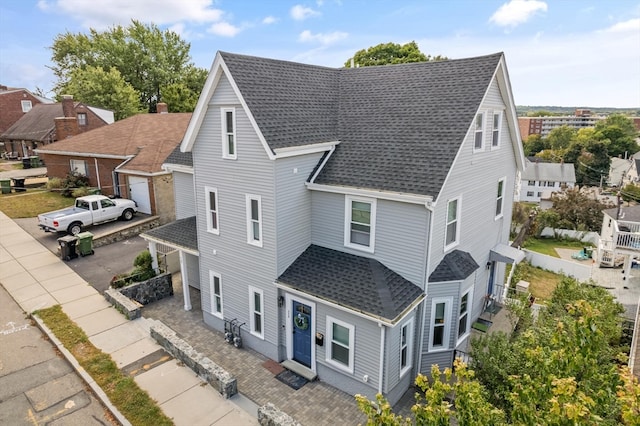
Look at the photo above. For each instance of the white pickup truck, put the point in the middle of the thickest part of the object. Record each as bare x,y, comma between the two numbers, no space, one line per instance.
89,210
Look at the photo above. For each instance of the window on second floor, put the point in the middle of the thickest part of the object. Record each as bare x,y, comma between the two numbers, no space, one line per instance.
229,133
500,198
254,220
452,233
82,119
531,183
360,222
26,106
211,195
478,140
495,136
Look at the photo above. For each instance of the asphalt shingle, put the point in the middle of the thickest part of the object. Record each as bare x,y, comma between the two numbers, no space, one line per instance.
181,233
180,158
455,266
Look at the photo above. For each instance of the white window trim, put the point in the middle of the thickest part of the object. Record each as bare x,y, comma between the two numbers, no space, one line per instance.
446,335
458,223
250,239
409,345
475,131
469,292
347,223
501,198
208,190
252,321
73,164
213,295
225,145
26,105
82,114
329,352
494,129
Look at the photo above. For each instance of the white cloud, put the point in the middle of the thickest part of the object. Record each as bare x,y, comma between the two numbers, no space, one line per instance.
517,12
632,25
324,39
300,13
224,29
270,20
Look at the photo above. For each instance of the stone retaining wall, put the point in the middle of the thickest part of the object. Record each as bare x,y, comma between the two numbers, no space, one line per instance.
212,373
127,307
151,290
270,415
127,232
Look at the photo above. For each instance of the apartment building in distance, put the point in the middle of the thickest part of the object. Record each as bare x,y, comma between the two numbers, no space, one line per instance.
543,125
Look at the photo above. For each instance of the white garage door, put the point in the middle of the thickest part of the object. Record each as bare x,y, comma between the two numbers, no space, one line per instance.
139,190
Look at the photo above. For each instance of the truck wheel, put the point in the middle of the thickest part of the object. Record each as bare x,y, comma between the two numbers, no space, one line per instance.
127,214
75,228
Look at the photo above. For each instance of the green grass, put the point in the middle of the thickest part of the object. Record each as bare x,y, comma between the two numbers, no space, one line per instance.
134,403
542,283
548,245
18,205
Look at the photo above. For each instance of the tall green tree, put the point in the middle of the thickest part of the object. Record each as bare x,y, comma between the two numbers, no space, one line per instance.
105,89
560,137
146,57
391,53
535,144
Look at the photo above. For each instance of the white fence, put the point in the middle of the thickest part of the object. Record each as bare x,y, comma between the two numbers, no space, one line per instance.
560,266
584,236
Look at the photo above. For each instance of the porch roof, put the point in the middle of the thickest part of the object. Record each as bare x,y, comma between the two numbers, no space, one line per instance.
181,234
455,266
506,254
355,282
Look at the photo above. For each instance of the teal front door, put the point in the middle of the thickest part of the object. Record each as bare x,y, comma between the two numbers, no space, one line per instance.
301,333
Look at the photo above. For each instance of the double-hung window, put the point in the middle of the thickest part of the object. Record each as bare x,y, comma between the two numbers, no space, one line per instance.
495,136
215,281
360,221
478,140
212,210
254,220
340,348
229,133
463,315
80,167
406,346
452,233
82,119
26,106
440,326
256,321
500,198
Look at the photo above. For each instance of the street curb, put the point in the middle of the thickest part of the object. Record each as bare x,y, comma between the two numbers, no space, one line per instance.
82,373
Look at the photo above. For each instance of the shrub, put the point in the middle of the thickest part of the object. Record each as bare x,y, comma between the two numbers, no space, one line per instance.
54,183
80,192
73,181
143,266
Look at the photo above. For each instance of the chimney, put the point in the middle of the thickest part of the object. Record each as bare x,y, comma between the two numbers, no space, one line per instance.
67,106
162,108
66,127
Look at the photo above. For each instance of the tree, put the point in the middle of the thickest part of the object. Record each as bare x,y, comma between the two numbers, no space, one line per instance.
105,89
630,192
560,137
535,144
592,164
575,209
147,58
391,53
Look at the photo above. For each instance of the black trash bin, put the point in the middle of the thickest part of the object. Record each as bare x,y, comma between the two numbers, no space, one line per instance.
68,247
26,163
18,185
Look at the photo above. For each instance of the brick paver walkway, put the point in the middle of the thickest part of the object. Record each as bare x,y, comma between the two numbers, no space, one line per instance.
316,403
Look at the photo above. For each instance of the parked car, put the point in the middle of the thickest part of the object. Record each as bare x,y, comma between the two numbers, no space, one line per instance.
87,211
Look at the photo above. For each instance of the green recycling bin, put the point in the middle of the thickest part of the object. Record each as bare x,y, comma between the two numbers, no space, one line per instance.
5,186
85,243
35,161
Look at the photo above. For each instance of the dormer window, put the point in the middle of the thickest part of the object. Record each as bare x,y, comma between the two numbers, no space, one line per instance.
82,119
229,133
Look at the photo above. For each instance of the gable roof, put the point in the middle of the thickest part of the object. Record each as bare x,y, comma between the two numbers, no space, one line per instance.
145,138
399,127
36,125
455,266
10,90
358,283
554,172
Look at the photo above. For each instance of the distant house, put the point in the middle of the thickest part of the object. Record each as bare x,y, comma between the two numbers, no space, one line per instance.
620,238
125,159
47,123
541,180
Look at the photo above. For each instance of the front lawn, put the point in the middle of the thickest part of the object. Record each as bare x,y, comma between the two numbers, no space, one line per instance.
32,203
542,283
548,245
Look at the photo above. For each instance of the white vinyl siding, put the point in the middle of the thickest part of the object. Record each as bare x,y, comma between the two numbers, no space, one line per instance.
406,347
495,133
215,281
360,219
452,234
463,315
228,117
211,195
500,198
440,323
254,220
340,350
256,301
478,137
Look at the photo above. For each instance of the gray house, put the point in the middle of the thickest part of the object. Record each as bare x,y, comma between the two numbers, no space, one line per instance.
355,220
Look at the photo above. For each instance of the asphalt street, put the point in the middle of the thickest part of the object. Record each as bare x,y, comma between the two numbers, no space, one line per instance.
37,385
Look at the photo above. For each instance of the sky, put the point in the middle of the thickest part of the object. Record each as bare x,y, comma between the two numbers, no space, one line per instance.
572,53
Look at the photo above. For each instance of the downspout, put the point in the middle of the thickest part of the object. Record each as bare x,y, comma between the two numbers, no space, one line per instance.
430,208
381,366
95,160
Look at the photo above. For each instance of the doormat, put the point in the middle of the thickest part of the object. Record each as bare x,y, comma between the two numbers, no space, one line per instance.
493,309
291,379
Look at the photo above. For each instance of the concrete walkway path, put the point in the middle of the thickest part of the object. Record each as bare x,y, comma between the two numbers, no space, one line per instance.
38,279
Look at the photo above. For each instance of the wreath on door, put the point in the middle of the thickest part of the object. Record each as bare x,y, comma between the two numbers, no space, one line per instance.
301,321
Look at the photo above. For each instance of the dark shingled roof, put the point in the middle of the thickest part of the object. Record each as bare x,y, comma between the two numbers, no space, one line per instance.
356,282
627,213
399,126
36,125
180,233
455,266
181,158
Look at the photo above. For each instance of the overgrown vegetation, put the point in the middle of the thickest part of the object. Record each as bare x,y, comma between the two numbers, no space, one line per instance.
567,368
134,403
74,183
32,203
142,271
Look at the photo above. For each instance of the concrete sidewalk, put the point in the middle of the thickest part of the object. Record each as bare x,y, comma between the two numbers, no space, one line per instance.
37,279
